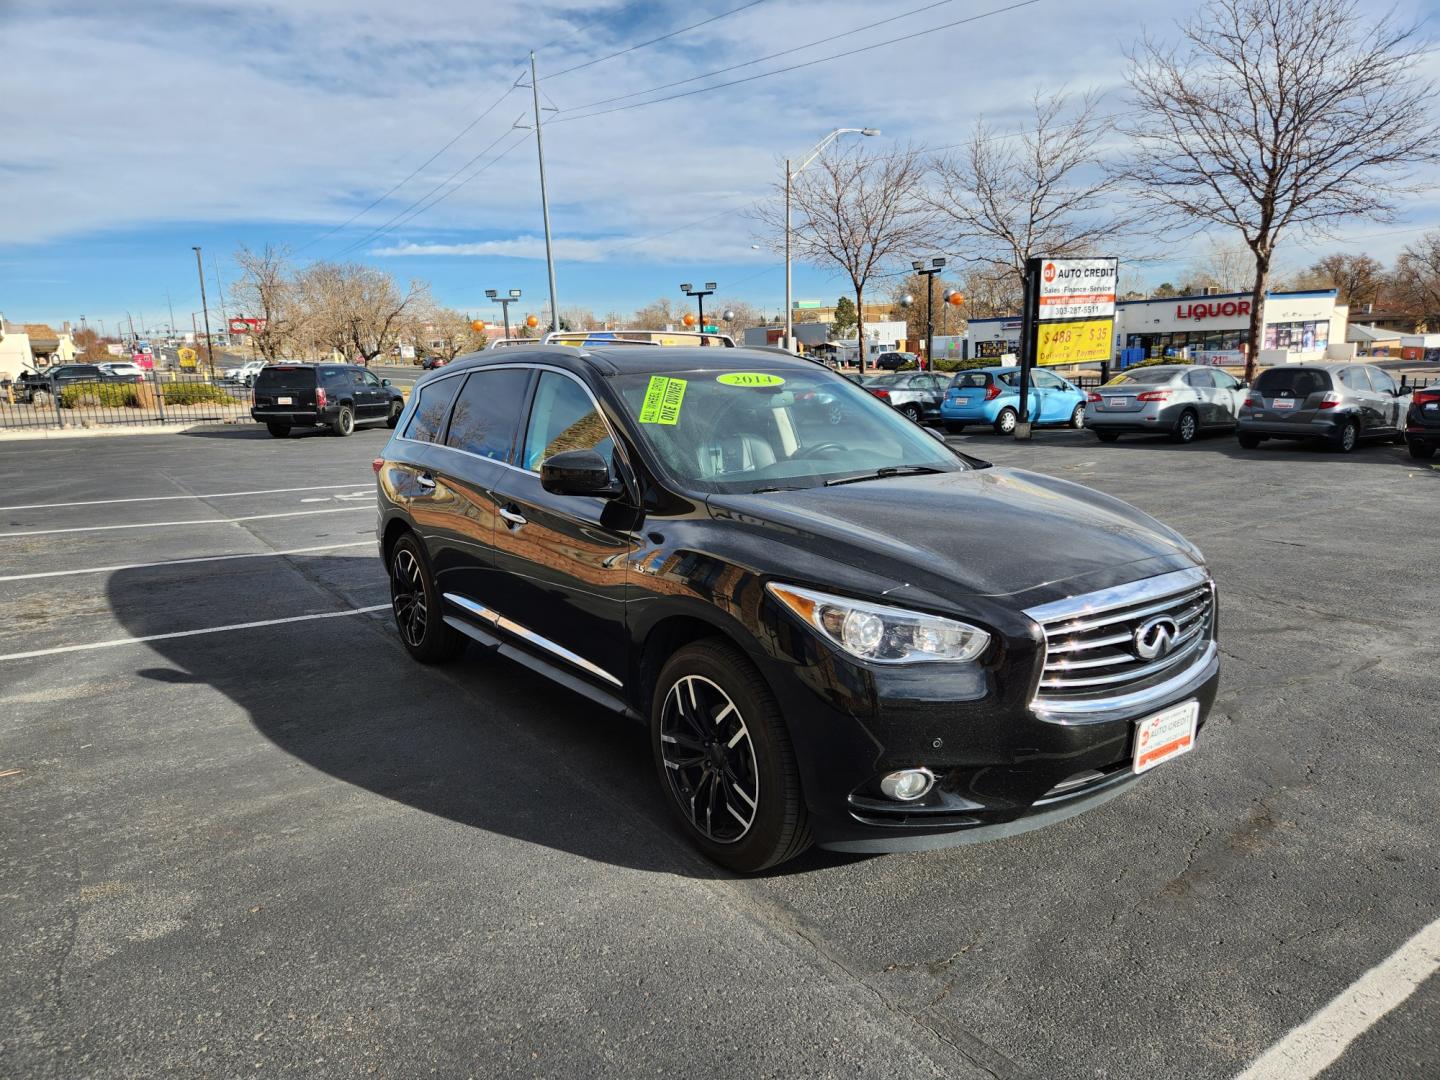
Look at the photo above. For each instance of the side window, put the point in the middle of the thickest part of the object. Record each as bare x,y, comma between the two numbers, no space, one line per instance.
1201,379
367,378
1381,380
1046,380
334,378
1354,378
1225,380
563,418
1010,378
487,412
427,423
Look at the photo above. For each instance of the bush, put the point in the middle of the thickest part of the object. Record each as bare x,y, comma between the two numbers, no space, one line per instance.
103,395
966,365
195,394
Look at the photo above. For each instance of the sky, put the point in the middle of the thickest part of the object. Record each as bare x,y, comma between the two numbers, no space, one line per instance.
133,131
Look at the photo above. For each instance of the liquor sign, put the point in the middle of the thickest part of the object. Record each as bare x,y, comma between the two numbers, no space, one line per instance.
1077,288
246,326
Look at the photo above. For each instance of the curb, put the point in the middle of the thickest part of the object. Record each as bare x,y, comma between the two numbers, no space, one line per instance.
105,431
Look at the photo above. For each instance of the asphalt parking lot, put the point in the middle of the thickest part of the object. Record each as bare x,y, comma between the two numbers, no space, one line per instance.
240,831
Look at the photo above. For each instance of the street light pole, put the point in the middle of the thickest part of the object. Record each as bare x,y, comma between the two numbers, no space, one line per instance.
504,302
789,181
204,303
699,295
544,201
936,265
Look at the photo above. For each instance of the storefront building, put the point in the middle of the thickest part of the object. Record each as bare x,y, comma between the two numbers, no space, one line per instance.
1212,327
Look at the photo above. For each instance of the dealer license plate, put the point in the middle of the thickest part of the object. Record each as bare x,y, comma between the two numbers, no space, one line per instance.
1165,735
1432,405
284,401
1119,402
1283,403
964,400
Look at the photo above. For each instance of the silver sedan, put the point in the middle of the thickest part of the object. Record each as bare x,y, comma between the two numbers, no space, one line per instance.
1179,400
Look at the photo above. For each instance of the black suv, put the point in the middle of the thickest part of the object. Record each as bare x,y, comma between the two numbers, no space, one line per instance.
55,379
846,633
337,396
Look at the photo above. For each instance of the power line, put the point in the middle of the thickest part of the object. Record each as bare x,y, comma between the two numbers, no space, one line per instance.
762,59
662,37
797,67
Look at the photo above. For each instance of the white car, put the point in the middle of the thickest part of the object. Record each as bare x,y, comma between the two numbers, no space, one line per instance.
246,373
123,369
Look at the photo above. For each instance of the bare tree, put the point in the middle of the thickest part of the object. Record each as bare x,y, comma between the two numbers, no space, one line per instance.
1274,115
1003,199
357,309
914,285
857,211
577,318
1357,279
991,292
1416,279
448,333
746,314
659,314
1224,265
266,290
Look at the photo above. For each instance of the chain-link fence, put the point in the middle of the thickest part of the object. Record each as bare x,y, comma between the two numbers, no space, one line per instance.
162,397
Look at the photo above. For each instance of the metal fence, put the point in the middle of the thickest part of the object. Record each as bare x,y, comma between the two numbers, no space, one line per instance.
164,397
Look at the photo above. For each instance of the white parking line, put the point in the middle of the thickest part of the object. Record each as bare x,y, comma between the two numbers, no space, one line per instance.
168,498
1315,1045
182,562
201,521
191,633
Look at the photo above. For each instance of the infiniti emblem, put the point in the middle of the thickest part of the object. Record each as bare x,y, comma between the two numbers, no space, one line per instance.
1155,637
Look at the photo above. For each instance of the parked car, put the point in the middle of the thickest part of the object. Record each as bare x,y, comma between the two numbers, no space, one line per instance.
337,396
122,369
53,380
1335,404
917,394
1179,400
1422,423
245,374
992,396
893,361
825,628
430,363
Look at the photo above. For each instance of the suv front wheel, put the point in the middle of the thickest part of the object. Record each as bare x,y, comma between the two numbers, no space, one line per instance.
724,757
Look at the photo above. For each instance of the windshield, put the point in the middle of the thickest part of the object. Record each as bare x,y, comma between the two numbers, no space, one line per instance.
746,431
1144,375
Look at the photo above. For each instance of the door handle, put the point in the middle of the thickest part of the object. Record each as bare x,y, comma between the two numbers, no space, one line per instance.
426,481
512,516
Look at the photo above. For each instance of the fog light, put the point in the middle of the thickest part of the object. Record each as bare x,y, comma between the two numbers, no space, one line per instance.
908,784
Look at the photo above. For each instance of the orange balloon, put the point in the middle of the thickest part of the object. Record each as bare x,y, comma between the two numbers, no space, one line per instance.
956,299
477,324
531,321
689,319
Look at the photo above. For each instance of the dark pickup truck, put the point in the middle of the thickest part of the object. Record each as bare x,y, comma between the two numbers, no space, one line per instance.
53,380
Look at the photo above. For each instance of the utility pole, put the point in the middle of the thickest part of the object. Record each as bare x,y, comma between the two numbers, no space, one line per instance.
789,325
544,201
132,326
224,315
205,304
170,304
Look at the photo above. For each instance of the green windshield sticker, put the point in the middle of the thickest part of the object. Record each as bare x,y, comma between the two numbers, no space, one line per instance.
749,378
662,400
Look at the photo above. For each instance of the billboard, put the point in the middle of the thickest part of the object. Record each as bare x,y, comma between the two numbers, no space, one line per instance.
240,325
1077,289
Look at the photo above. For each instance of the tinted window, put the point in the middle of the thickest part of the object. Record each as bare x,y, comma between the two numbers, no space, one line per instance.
1292,382
1200,378
487,412
427,423
366,378
563,418
972,379
334,378
285,378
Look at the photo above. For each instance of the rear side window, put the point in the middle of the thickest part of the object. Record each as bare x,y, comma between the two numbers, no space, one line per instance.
334,378
1143,375
1381,380
1291,382
427,422
1200,378
487,412
285,378
1354,378
971,380
563,418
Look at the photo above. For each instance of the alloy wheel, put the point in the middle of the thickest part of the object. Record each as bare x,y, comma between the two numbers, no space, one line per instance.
1187,427
709,759
407,597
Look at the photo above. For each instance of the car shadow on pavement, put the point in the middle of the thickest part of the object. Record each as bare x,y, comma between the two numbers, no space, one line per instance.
258,432
483,742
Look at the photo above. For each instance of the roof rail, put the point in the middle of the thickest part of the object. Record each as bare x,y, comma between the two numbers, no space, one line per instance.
607,338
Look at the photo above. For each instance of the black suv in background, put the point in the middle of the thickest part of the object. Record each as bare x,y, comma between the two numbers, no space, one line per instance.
850,634
337,396
53,380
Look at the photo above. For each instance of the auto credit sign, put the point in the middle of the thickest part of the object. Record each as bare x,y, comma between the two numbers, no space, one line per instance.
1078,288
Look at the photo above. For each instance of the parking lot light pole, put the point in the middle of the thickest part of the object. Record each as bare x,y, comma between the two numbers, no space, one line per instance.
699,295
790,176
504,302
936,265
209,341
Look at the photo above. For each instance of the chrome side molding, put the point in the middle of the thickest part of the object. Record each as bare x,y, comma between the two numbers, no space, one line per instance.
494,618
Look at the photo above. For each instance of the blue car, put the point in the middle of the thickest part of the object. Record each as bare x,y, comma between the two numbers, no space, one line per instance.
992,396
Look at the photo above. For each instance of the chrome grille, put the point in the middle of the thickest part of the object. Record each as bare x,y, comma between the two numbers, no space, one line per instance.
1096,645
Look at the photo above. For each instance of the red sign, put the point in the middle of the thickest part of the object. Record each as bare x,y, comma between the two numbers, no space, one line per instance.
246,326
1049,271
1216,309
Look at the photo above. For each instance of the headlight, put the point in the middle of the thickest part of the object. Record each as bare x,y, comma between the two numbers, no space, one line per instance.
885,635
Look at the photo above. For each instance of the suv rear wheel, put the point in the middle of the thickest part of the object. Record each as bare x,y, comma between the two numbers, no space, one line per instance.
344,421
417,608
279,431
1422,451
723,754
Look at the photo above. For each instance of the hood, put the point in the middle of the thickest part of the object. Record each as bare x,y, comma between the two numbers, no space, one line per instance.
991,532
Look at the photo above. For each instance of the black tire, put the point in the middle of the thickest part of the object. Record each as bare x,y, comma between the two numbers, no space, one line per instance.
911,410
1186,428
1248,441
1422,451
1077,418
751,753
344,421
1107,436
422,630
279,431
953,427
393,420
1006,420
1347,440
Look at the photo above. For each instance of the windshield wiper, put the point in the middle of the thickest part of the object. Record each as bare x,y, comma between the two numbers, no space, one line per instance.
768,490
886,472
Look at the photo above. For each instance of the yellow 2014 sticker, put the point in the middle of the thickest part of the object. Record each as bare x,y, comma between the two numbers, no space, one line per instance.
749,378
663,398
